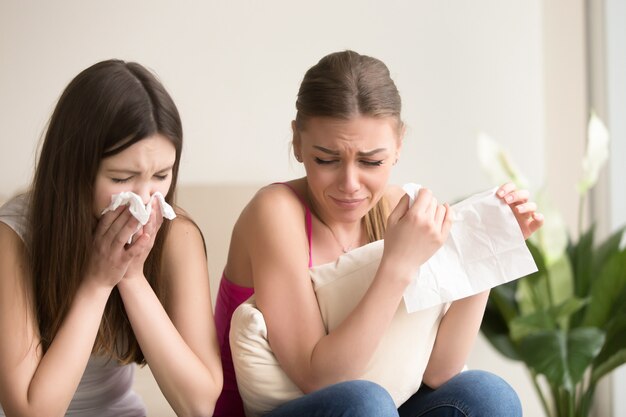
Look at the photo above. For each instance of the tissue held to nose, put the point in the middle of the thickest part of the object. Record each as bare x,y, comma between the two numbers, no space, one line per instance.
140,211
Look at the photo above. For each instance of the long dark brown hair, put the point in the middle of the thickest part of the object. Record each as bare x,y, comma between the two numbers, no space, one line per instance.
104,110
345,85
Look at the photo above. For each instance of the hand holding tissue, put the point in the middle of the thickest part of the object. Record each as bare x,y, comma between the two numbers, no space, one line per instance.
485,248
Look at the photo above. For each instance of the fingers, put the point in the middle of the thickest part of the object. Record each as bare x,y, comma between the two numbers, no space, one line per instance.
505,189
121,232
535,222
530,224
399,211
423,201
116,228
443,219
108,218
514,197
524,208
439,215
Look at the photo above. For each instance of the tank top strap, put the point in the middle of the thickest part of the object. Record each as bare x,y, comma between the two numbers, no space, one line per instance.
307,219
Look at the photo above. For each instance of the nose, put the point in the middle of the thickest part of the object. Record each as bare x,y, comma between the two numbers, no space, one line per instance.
144,190
349,182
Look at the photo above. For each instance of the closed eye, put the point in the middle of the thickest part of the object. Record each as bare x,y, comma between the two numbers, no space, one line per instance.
321,161
372,163
121,180
161,177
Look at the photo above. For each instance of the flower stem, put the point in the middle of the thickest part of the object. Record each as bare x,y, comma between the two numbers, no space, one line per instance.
581,209
547,409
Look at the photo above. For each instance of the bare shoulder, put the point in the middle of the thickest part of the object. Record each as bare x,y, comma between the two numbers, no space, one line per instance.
15,292
184,243
12,248
183,228
274,202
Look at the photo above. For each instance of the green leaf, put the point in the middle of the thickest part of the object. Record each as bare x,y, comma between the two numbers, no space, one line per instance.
609,247
522,326
581,257
564,312
531,289
613,353
613,362
606,290
537,256
531,323
496,330
503,344
549,286
560,356
561,280
584,343
503,298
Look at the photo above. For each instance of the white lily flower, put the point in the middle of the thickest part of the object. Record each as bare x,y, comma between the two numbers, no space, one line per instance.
597,153
496,162
552,237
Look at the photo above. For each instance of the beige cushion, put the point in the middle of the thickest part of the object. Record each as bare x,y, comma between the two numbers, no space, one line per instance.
398,364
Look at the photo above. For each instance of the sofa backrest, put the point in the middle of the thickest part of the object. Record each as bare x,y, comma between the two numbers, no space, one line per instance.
215,208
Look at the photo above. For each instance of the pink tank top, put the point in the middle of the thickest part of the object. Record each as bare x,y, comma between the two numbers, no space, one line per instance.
229,297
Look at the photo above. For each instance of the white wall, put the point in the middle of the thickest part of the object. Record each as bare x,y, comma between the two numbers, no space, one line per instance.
615,15
234,68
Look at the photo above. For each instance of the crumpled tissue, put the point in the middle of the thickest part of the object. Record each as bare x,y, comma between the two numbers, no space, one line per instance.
139,210
485,248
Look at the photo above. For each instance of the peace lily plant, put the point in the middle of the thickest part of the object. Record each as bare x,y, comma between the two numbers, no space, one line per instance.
567,321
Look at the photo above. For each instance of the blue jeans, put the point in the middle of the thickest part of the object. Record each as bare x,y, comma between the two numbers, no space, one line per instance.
469,394
345,399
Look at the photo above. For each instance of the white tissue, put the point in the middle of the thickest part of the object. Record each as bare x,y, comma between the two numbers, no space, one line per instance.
485,248
139,210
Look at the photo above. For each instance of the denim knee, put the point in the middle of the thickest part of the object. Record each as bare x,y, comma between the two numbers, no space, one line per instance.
491,395
345,399
367,398
470,393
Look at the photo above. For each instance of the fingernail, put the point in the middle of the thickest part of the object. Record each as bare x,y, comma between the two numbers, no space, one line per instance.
508,198
521,209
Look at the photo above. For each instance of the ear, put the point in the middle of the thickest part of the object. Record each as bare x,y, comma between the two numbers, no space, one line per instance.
296,141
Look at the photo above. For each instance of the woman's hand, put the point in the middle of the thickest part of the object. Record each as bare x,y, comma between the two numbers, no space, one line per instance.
525,211
143,241
414,234
109,258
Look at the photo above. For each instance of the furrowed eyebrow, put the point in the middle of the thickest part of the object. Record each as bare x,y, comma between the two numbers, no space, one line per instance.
372,152
131,172
326,150
336,153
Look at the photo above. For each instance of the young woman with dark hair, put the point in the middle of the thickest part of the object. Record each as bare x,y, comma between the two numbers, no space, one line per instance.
78,303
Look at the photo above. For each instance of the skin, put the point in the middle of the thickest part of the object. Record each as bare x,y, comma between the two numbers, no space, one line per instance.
348,163
180,349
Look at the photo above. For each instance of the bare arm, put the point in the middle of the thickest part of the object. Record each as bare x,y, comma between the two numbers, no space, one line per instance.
178,339
33,383
277,247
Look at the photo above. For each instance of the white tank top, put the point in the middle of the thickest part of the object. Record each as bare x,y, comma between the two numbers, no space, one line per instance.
105,389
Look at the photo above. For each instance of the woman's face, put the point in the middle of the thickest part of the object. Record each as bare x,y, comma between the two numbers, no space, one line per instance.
348,163
143,168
